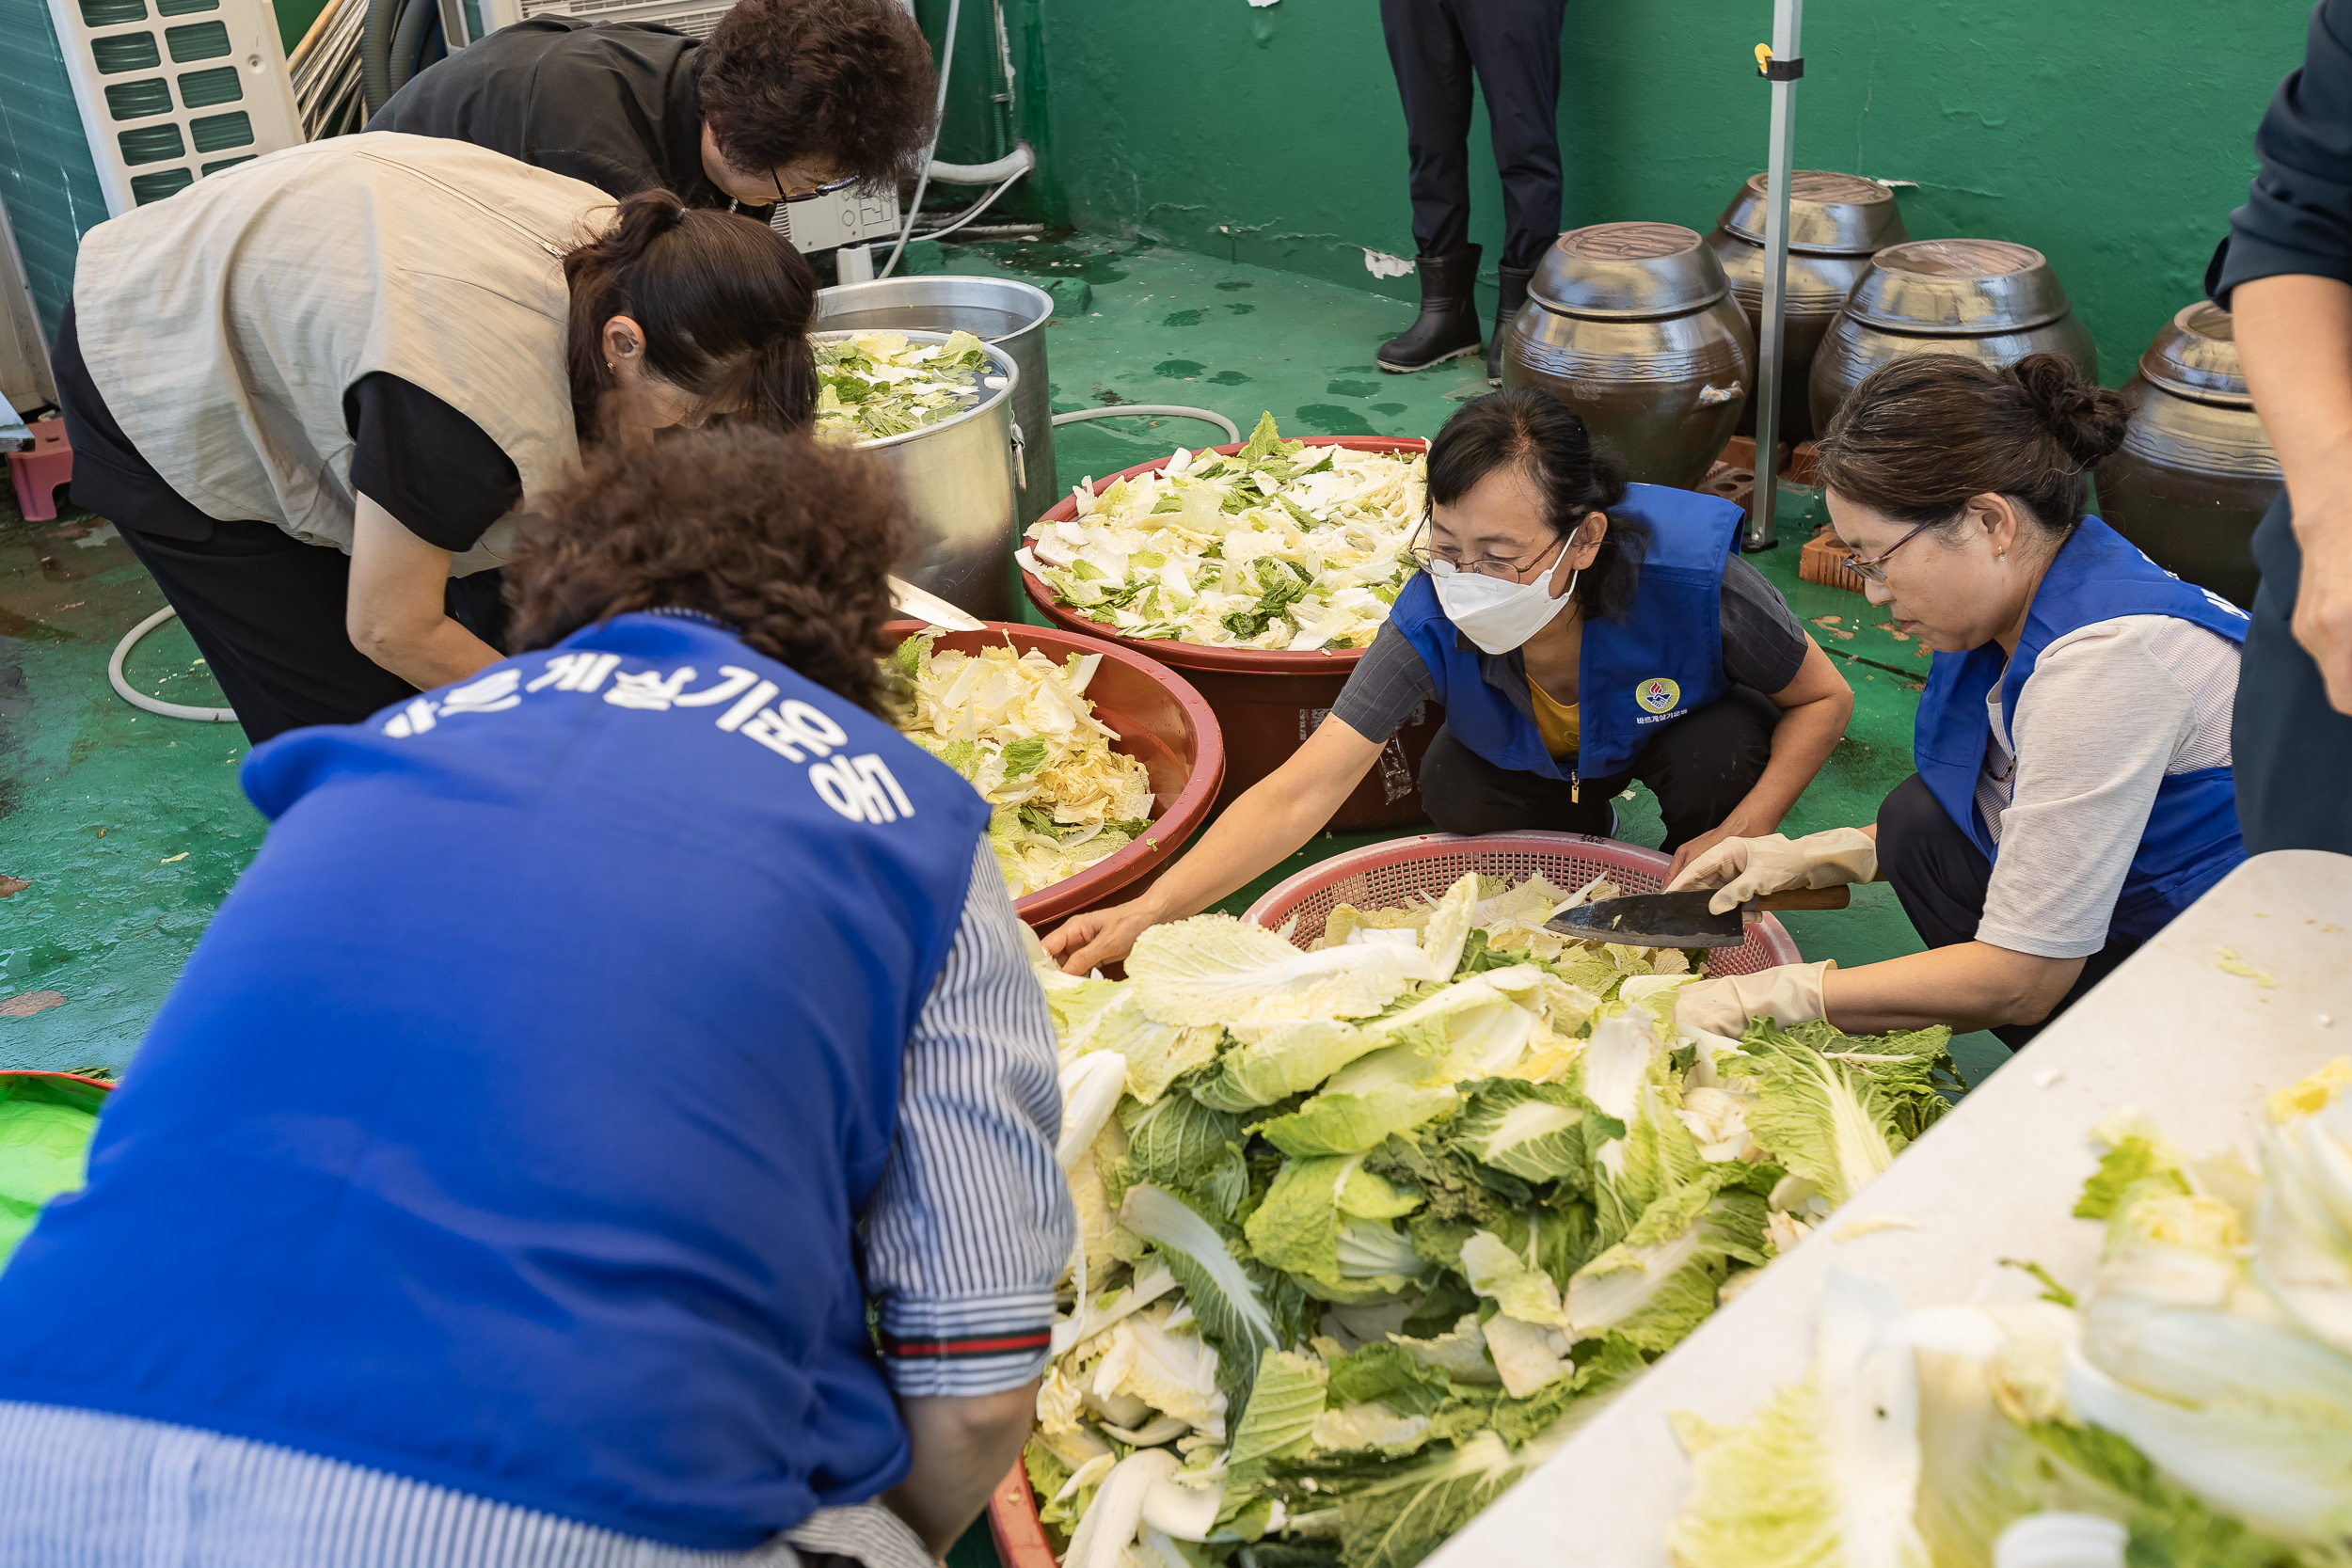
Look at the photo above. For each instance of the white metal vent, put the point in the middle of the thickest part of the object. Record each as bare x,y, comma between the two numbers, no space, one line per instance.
172,90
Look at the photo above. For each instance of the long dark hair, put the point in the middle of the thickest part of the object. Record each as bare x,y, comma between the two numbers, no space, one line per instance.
1546,439
787,541
1921,435
724,303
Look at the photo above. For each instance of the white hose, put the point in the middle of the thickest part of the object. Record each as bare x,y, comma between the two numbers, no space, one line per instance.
939,110
975,209
1165,410
156,705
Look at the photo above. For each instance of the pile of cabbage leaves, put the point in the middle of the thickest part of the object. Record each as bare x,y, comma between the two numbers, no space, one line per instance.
2198,1391
1283,545
1020,728
1366,1229
876,384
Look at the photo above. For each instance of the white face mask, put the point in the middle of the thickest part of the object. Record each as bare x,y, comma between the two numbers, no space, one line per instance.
1497,615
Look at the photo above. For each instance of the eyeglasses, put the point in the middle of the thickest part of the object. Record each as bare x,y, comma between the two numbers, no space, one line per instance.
1874,569
1486,565
828,188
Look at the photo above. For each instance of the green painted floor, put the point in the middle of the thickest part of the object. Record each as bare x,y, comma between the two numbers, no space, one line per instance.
129,829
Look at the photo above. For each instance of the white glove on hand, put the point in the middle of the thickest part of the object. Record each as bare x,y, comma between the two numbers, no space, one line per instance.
1788,995
1745,868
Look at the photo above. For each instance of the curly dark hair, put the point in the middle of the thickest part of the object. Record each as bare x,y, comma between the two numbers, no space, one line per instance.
848,83
787,541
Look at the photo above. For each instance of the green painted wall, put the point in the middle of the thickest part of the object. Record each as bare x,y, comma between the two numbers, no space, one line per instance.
2113,137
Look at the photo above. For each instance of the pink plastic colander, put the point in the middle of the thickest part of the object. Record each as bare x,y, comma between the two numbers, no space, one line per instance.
1398,872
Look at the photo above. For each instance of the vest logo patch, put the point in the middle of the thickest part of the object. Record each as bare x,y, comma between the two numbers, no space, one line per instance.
1658,694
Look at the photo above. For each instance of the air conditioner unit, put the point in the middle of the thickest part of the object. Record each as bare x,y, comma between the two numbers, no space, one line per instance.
820,222
172,90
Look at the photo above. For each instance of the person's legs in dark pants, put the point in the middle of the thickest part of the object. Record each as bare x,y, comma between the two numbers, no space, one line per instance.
2290,752
1433,78
266,610
1702,766
1463,793
1514,47
1940,877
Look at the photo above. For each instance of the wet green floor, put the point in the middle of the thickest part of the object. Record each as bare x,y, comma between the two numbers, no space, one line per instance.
129,828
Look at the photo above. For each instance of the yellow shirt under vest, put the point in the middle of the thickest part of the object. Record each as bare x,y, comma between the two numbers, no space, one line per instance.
1556,721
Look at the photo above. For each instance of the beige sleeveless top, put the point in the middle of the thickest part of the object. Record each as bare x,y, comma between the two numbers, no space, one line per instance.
223,326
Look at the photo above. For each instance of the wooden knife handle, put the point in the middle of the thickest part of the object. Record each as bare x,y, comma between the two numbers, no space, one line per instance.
1806,899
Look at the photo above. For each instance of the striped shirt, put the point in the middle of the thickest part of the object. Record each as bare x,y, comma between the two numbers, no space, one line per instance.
90,1489
972,1223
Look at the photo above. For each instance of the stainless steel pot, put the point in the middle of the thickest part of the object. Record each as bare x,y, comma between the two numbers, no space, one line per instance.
960,477
1988,299
1632,325
1009,314
2197,471
1836,222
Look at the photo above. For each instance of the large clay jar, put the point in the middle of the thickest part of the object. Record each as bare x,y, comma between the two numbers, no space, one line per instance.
1988,299
2197,471
1836,222
1632,325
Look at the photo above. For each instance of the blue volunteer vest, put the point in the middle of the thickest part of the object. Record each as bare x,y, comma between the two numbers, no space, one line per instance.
508,1127
1663,660
2191,838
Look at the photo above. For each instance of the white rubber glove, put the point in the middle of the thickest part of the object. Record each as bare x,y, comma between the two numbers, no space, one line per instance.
1788,995
1745,868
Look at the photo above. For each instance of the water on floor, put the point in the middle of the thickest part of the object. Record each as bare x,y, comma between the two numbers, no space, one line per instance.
128,829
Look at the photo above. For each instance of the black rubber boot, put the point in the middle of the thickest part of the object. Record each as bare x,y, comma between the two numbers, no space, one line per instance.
1447,327
1514,282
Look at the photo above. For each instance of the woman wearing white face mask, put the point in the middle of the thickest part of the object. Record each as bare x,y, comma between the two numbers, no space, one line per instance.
1580,633
2074,790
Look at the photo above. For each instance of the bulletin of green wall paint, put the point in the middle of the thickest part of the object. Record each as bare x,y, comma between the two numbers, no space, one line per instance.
2114,136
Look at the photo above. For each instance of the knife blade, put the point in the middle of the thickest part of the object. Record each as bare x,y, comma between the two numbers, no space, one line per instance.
1683,919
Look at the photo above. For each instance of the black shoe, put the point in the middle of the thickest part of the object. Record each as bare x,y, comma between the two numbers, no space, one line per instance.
1447,327
1514,282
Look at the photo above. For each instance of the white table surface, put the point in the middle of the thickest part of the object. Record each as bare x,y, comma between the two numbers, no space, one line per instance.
2170,1032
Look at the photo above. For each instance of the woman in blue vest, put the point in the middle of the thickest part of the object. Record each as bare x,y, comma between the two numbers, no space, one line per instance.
1580,633
2073,788
510,1176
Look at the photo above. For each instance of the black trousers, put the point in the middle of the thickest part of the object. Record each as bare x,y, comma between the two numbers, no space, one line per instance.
1699,769
1514,47
266,610
2291,753
1941,876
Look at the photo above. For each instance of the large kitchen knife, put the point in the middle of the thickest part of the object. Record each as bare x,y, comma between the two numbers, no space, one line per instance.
1682,919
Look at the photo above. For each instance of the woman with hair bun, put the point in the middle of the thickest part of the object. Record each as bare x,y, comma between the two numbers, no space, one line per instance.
2073,791
1580,632
666,1178
312,393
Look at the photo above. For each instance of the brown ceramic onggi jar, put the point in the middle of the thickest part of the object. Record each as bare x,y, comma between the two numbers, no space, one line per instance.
1989,299
2197,471
1632,325
1836,222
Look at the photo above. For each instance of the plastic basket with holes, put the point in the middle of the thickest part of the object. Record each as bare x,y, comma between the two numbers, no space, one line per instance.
1401,871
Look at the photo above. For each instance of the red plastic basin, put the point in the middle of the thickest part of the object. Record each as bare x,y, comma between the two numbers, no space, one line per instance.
1162,722
1270,701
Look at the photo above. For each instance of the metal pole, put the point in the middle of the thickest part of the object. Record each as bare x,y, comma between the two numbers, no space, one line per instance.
1787,65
